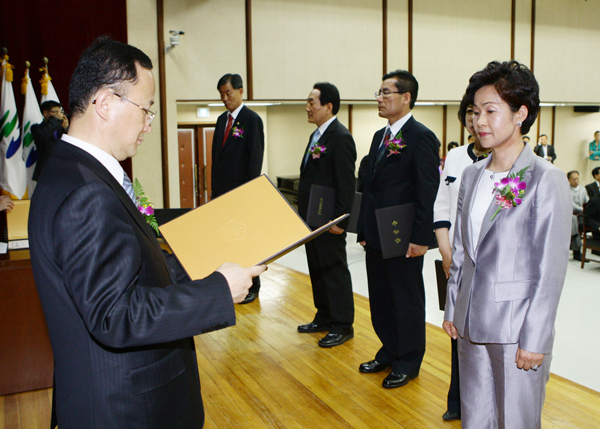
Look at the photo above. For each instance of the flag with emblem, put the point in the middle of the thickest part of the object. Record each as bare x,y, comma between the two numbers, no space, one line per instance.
13,177
31,116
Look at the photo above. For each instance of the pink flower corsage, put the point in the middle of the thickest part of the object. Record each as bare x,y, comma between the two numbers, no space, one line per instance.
510,191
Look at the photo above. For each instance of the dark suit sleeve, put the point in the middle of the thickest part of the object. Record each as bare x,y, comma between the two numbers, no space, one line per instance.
344,164
426,175
553,154
256,147
111,274
592,213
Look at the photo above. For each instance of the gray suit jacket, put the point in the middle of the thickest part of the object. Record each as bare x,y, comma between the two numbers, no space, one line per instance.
508,288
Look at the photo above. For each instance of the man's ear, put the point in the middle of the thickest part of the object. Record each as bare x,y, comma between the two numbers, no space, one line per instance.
102,104
242,90
329,107
406,98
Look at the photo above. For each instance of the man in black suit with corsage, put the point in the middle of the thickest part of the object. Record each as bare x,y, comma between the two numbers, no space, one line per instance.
120,315
237,148
329,160
406,172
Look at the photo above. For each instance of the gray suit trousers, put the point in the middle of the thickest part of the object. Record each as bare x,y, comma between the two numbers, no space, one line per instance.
494,393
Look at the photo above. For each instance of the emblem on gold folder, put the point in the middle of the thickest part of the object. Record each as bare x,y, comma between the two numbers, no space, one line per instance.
234,230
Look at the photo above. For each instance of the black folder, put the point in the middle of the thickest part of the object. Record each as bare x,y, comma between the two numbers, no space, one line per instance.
442,283
321,203
355,213
395,227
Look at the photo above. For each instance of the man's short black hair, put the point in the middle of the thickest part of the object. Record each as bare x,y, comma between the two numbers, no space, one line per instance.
543,135
452,145
106,63
571,172
595,172
49,105
234,79
329,94
405,82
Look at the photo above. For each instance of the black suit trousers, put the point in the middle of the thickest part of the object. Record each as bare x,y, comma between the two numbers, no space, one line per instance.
397,300
331,282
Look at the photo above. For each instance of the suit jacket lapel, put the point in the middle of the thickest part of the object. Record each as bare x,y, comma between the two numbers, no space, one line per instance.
97,168
525,158
471,183
238,122
405,131
322,142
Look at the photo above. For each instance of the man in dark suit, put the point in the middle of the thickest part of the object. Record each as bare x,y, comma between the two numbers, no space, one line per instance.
238,146
593,189
120,315
409,175
544,150
47,133
331,165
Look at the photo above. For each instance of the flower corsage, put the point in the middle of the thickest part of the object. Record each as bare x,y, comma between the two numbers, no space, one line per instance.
317,151
238,133
510,191
145,206
395,145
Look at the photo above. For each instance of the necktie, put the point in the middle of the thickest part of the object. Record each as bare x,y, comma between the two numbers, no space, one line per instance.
229,124
315,138
382,146
128,186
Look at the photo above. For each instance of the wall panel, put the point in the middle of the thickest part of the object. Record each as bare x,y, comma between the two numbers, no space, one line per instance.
397,35
523,32
454,39
567,44
299,42
214,44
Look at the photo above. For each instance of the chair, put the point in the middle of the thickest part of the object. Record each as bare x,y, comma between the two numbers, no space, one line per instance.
588,243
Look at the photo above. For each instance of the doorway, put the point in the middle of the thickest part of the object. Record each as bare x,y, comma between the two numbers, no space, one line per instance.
195,162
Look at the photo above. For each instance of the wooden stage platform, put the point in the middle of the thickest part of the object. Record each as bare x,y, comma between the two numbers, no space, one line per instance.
263,374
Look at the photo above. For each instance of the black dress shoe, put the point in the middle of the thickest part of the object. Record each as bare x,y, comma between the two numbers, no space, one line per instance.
332,340
373,366
451,415
249,298
312,327
395,379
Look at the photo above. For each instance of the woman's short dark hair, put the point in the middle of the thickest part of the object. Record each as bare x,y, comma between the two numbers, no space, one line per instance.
328,94
464,105
515,84
106,63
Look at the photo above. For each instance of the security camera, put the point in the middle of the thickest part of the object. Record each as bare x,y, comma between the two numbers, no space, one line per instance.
175,37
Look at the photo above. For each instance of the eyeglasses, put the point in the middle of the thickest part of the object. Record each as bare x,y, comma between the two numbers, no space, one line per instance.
386,93
149,114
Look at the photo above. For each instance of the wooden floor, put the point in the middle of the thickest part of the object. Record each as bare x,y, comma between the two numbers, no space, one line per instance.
263,374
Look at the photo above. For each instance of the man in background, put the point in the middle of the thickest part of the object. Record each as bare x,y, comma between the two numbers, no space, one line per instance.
331,165
544,150
237,148
120,315
593,189
48,133
580,197
396,177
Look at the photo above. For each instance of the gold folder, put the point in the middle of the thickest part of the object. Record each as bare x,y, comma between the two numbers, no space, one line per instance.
250,225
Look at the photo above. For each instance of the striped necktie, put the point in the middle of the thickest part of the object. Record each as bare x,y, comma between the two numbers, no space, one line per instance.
128,186
315,138
382,146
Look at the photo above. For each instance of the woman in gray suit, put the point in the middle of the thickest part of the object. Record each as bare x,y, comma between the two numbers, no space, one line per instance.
511,248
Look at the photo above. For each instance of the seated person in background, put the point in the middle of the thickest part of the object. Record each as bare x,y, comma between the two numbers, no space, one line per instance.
6,203
593,188
595,147
526,139
471,139
580,197
545,150
451,145
48,133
